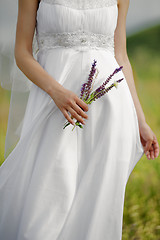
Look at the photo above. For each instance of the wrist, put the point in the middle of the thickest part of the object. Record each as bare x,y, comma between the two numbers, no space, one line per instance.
141,119
142,123
54,87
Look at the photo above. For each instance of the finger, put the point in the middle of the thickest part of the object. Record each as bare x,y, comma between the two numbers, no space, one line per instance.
152,148
80,111
75,115
152,153
66,115
146,151
155,138
82,104
148,145
148,155
156,148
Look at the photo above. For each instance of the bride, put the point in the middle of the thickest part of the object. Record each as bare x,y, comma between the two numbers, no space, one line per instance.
57,183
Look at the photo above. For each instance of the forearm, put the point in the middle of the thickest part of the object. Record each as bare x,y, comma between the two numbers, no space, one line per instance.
35,72
127,70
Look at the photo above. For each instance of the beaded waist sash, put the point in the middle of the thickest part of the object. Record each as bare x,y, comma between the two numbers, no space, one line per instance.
79,40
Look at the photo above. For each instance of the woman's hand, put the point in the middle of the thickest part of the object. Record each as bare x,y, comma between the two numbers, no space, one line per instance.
68,101
149,141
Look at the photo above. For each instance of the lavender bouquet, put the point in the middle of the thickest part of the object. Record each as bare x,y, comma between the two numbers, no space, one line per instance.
87,96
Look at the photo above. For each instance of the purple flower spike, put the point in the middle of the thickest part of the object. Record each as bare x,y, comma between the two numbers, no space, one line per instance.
118,69
119,80
82,90
88,85
109,78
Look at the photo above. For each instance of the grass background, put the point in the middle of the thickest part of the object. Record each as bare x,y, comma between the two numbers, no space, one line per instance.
141,219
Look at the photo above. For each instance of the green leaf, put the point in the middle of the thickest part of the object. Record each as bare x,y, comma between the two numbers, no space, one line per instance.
66,125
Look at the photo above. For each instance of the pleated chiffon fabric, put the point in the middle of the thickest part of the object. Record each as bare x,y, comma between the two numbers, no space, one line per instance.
59,184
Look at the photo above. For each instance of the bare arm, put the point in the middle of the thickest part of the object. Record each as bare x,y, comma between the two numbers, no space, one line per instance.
148,138
122,57
23,47
65,99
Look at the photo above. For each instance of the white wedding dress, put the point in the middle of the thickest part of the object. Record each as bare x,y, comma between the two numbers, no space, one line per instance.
59,184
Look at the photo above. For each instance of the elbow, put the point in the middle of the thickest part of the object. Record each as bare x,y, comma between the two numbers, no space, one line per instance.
18,55
17,59
21,54
122,59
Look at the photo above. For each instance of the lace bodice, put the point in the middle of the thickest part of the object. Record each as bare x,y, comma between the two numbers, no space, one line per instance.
77,24
82,4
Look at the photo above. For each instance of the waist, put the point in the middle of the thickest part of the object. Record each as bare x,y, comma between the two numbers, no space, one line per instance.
78,40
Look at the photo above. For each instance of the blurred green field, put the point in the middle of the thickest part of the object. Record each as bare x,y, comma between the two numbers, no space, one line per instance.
141,220
142,200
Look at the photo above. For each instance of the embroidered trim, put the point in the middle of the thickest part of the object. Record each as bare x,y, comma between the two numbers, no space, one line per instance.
83,4
79,40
